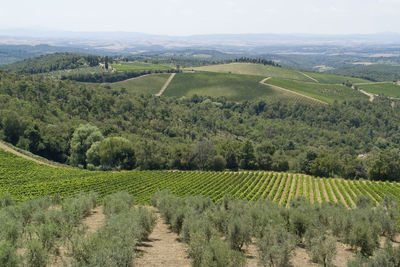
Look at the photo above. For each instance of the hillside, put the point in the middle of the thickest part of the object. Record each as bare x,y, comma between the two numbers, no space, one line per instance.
23,179
148,84
54,62
269,132
231,86
277,72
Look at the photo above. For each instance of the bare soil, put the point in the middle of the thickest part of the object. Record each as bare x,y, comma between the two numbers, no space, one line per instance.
95,220
309,77
166,84
163,249
301,258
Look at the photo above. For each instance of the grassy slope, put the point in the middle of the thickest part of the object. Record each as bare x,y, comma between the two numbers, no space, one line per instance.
149,84
233,86
124,66
334,79
255,69
324,92
385,89
24,179
270,71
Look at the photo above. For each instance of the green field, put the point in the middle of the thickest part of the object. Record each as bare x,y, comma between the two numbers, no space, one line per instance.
325,92
385,89
255,69
24,179
334,79
234,87
148,84
133,66
271,71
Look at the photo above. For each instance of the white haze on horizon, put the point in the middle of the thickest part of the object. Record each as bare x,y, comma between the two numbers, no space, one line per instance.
188,17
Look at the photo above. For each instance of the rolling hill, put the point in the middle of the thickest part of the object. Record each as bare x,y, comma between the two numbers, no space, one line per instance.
148,84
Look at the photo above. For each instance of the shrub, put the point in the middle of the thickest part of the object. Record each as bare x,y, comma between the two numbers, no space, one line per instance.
8,254
239,232
36,255
275,247
320,247
116,203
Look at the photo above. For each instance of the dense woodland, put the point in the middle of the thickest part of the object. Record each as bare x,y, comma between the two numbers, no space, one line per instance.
50,117
54,62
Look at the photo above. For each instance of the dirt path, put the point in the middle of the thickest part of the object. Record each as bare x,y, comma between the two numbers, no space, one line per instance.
323,188
166,84
19,154
290,91
163,249
371,96
95,220
309,77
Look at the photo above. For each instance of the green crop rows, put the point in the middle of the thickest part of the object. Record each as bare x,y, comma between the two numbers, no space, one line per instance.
24,179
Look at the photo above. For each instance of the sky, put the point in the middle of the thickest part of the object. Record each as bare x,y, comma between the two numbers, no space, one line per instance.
190,17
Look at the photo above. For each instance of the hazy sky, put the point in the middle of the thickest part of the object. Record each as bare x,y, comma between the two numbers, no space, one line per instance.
186,17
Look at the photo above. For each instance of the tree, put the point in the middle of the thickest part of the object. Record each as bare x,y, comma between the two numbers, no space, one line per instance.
275,247
203,152
248,159
13,128
82,139
218,163
112,153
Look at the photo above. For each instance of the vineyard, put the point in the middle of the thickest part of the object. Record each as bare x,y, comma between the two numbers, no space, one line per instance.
24,179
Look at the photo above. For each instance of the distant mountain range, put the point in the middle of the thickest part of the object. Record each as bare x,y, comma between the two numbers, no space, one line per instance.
119,41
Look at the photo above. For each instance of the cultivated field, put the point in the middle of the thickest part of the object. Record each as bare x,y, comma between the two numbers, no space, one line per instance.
256,69
24,179
148,84
384,89
232,86
325,92
132,66
271,71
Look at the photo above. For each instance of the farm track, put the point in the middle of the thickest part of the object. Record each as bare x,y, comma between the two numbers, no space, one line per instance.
19,154
309,77
163,249
95,220
166,84
290,91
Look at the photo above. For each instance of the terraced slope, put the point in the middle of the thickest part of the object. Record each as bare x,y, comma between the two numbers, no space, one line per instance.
26,179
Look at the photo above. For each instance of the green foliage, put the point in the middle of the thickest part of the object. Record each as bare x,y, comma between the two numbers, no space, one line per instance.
83,138
116,203
112,153
37,256
52,62
275,247
8,254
